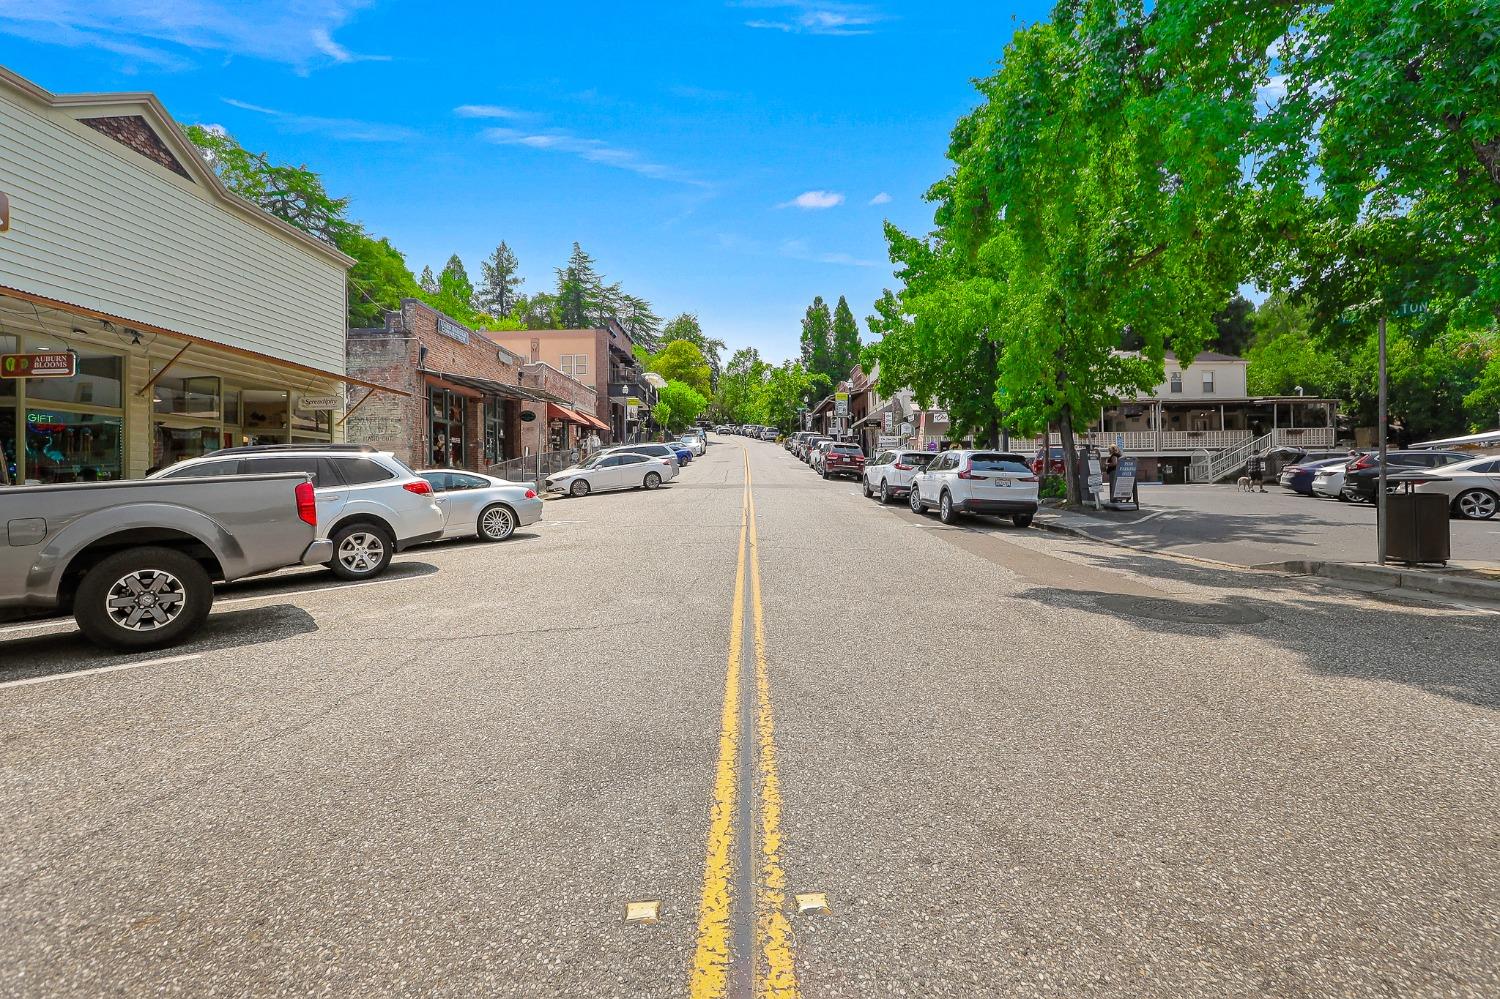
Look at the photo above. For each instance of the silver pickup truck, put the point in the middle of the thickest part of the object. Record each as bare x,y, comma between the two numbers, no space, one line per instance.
135,561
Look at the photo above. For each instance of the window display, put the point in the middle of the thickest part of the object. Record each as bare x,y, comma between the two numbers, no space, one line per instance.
98,382
73,447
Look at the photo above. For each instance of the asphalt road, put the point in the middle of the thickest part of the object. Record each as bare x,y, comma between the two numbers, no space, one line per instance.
1016,764
1222,523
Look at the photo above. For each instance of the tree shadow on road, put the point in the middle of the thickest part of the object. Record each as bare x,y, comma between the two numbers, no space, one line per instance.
61,652
1443,652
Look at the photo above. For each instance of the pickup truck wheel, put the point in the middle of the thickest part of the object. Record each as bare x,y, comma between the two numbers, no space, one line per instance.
361,551
496,523
946,513
142,598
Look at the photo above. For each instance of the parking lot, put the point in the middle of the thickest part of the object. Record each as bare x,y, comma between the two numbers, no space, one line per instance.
1227,525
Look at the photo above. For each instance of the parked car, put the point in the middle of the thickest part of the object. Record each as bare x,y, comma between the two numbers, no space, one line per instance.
135,561
1328,481
1472,487
482,505
843,459
815,452
671,454
959,482
370,504
609,470
1299,478
696,446
1055,461
1362,476
684,453
889,474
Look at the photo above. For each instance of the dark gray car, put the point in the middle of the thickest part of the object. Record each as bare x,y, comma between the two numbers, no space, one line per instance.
135,561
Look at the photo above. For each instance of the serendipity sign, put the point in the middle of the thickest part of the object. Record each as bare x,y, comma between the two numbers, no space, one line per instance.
49,364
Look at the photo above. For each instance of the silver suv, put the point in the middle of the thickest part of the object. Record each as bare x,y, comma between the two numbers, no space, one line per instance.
370,505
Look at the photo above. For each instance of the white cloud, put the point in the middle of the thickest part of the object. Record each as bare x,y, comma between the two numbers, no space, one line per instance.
881,199
487,111
592,150
814,17
814,200
347,129
295,32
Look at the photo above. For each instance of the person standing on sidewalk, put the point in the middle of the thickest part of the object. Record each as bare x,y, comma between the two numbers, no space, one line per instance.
1255,468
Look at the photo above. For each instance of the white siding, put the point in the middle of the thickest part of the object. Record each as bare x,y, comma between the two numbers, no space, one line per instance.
1229,381
95,224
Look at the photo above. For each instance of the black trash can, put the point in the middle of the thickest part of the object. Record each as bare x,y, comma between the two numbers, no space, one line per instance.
1419,527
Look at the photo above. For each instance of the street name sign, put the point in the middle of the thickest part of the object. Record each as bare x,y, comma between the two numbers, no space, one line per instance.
48,364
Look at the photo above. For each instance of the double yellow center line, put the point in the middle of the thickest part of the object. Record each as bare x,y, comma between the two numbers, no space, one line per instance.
743,907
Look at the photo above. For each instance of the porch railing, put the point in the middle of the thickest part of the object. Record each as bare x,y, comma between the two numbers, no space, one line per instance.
535,467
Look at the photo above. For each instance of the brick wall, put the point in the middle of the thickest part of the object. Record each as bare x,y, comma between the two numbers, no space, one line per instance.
390,422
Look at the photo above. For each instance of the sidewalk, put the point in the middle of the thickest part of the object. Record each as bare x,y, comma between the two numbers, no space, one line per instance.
1283,541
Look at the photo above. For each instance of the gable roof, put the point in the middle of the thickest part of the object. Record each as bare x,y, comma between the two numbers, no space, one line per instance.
1206,355
175,143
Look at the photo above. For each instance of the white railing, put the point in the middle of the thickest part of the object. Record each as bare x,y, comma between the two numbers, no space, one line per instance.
1213,467
1306,437
1213,440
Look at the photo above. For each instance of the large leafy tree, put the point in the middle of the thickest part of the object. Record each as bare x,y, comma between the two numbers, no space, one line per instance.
294,194
501,282
378,281
679,405
682,361
738,397
788,390
845,346
685,326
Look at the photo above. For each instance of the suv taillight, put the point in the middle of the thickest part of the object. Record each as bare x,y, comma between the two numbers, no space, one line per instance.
419,486
965,472
903,468
307,503
1363,461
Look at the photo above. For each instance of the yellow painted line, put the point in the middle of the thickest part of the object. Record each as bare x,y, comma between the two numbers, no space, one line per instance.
711,959
776,970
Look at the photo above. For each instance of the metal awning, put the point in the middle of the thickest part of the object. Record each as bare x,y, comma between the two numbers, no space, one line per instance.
490,386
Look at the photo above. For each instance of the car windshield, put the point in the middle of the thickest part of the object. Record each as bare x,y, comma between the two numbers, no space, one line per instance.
593,460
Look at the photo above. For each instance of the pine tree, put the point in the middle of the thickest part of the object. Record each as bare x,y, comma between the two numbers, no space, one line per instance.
817,340
846,345
455,294
580,291
497,295
427,282
643,325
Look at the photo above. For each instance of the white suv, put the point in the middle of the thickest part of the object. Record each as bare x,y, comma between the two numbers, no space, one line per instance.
889,474
976,482
370,505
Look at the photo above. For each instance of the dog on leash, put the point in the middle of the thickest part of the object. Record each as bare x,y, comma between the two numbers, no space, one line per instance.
1243,483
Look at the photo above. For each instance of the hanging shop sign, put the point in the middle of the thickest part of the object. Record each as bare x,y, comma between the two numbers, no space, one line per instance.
49,364
890,421
317,403
527,416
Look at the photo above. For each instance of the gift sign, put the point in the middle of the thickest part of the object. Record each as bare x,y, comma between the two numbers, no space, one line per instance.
50,364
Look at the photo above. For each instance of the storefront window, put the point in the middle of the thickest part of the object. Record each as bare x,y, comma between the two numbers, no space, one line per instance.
73,447
494,431
173,444
98,382
195,396
311,426
447,427
232,408
265,415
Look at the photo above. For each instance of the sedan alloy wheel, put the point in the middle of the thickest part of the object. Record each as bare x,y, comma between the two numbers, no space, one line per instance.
496,523
580,487
1476,504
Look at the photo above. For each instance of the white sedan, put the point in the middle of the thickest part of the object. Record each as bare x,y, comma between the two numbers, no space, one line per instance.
694,444
1328,481
482,505
611,470
1472,487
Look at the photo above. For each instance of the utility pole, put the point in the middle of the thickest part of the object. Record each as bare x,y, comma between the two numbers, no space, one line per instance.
1380,522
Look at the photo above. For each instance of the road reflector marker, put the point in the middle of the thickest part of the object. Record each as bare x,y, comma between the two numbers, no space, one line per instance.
810,903
645,912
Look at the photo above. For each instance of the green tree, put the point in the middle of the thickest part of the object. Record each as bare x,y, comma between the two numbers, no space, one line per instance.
678,405
501,282
817,340
455,294
1233,327
293,194
788,390
640,322
685,326
427,282
739,394
1482,404
581,295
682,361
378,281
536,312
845,346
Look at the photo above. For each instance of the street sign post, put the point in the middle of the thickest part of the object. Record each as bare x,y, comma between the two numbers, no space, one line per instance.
48,364
841,404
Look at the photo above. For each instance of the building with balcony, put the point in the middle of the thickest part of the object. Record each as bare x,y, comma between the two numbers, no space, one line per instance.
603,358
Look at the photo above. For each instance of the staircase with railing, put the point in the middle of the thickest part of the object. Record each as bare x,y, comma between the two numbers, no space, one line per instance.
1215,466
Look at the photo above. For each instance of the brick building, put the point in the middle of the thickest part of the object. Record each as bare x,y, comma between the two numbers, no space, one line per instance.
604,358
470,402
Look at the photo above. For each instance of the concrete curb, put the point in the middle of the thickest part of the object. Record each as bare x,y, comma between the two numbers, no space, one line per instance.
1396,577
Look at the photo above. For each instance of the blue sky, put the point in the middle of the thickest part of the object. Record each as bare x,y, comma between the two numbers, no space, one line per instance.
732,159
